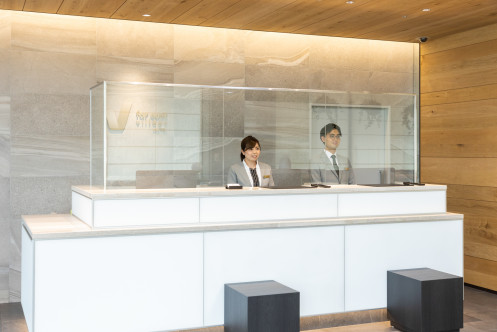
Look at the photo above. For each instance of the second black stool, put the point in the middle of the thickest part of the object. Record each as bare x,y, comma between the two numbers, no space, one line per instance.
261,306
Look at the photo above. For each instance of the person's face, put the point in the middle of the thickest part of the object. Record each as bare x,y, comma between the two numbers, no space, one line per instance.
251,155
331,140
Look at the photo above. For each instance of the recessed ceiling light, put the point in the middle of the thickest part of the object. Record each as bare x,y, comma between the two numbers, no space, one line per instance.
146,15
349,2
426,9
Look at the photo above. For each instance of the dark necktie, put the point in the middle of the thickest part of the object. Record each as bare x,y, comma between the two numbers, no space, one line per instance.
335,165
255,178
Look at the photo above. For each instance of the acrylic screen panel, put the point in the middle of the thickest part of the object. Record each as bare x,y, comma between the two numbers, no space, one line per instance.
97,123
188,136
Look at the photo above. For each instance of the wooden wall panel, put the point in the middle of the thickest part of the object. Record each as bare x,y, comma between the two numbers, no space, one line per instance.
479,193
480,272
463,171
472,93
458,139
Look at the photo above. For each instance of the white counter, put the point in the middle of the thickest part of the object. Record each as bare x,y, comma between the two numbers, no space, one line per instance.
171,276
131,207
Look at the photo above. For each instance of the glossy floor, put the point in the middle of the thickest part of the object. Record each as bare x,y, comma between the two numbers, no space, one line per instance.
480,314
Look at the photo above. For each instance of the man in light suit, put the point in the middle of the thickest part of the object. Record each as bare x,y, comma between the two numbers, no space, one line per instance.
332,168
250,172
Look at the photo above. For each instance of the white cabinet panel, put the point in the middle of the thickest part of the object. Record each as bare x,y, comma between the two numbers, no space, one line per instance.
27,277
371,250
274,207
138,283
309,260
376,204
145,212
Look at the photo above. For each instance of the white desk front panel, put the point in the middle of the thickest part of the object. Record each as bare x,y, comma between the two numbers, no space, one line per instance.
371,250
274,207
391,203
309,260
82,207
27,278
145,212
137,283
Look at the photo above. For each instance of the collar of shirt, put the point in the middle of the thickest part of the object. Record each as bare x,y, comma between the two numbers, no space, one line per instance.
257,168
329,154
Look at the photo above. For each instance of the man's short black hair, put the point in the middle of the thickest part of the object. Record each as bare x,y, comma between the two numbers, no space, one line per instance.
329,127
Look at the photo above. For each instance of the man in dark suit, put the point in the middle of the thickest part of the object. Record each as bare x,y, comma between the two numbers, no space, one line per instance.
332,168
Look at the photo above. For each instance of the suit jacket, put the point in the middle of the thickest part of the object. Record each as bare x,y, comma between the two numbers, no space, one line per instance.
238,174
325,173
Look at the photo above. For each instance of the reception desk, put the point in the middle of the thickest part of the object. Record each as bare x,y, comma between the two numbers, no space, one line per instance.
154,260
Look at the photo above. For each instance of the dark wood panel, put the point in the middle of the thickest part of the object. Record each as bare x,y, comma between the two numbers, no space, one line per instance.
459,95
480,272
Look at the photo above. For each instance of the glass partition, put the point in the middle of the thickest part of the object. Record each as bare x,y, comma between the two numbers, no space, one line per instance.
147,135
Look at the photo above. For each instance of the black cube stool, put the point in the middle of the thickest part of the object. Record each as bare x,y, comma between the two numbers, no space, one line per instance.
261,306
420,300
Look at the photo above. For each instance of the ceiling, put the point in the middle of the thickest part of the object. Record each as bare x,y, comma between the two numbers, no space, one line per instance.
396,20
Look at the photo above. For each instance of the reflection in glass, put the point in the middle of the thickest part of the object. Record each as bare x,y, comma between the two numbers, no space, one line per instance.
181,136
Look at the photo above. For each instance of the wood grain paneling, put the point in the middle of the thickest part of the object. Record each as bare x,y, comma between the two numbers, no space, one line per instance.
162,11
480,272
473,65
465,38
470,171
468,206
472,93
464,129
481,230
458,141
471,114
42,6
12,4
368,19
93,8
479,193
203,11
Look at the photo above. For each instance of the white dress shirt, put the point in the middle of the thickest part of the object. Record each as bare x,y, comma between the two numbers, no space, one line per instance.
258,170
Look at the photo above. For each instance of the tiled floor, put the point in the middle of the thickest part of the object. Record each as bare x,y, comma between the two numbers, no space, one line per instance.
480,315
